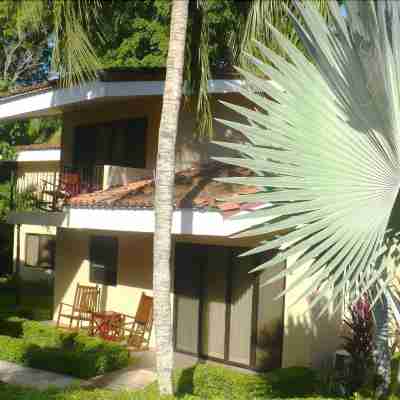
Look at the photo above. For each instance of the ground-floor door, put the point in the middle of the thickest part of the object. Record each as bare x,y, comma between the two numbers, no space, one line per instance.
216,302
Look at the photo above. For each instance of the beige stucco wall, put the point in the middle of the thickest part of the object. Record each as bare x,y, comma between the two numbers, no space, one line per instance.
134,270
29,273
188,149
309,340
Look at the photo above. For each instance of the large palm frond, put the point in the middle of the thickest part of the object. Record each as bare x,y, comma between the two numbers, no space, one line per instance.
328,146
74,57
257,16
73,54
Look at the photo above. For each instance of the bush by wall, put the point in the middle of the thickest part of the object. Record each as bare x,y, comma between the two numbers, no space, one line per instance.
45,347
218,382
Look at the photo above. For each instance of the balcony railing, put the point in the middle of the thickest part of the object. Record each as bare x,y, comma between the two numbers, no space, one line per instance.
48,191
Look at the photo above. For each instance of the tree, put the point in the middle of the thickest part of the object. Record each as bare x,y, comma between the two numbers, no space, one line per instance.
164,194
328,146
24,54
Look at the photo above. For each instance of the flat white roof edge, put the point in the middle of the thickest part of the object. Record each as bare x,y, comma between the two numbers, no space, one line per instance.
33,104
185,222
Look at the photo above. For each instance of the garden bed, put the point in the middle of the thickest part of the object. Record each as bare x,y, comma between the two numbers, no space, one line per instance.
37,345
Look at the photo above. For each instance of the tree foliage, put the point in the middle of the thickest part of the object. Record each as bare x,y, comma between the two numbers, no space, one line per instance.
24,48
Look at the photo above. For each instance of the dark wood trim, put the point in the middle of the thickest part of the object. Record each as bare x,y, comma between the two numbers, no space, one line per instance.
201,303
228,305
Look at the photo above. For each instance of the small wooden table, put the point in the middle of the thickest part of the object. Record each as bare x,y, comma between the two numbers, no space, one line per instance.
109,325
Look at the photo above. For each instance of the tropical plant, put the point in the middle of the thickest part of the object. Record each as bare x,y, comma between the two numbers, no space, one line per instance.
328,147
252,19
359,343
163,202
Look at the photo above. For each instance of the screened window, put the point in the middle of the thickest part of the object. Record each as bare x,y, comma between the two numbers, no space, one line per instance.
40,251
103,253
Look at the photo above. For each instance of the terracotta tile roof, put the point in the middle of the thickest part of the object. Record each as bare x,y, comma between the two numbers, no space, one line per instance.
194,188
38,146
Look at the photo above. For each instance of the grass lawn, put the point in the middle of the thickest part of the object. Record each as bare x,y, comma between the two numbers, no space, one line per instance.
10,392
202,382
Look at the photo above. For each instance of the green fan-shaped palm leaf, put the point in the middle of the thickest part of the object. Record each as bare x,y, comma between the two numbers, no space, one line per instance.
328,146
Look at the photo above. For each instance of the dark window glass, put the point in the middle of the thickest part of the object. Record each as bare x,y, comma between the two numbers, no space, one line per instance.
103,254
39,251
116,143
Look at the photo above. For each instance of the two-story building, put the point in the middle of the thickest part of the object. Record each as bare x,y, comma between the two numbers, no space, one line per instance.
104,231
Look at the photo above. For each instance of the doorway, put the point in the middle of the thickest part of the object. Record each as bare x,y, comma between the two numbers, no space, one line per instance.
216,303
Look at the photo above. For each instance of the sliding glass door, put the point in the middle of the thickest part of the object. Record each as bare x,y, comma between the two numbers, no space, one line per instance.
215,305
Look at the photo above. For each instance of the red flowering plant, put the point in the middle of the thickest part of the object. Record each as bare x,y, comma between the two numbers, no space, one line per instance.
359,343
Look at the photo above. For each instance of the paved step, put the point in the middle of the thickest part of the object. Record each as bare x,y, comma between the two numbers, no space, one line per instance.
124,379
25,376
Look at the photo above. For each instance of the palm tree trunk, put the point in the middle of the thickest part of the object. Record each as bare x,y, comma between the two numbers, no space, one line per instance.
164,195
382,349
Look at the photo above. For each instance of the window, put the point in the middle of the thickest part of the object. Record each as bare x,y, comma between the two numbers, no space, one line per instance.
120,143
103,255
40,251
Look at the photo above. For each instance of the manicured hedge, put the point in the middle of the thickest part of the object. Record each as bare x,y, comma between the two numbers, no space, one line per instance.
218,382
45,347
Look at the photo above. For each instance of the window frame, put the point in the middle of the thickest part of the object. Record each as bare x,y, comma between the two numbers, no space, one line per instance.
52,238
104,129
110,277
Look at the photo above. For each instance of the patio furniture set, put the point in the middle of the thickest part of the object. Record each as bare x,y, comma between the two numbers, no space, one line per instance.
135,331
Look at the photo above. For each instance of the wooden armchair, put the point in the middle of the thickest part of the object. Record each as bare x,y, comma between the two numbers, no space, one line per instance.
138,328
86,301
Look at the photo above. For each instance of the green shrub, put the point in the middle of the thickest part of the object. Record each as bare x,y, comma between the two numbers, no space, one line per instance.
80,364
212,381
45,347
12,326
12,349
218,382
293,381
41,334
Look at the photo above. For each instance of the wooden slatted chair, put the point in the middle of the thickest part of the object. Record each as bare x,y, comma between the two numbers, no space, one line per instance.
138,328
86,301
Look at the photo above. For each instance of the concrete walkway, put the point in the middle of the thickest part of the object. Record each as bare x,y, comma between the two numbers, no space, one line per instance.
19,375
137,376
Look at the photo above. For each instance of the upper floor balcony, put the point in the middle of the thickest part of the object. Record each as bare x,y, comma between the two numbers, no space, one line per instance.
50,190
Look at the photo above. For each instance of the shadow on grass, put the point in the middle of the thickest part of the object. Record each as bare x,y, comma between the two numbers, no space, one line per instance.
184,381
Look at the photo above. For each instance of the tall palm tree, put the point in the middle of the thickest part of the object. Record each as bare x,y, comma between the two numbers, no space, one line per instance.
329,147
164,193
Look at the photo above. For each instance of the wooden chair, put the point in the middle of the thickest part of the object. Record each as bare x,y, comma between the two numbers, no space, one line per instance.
86,301
138,330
